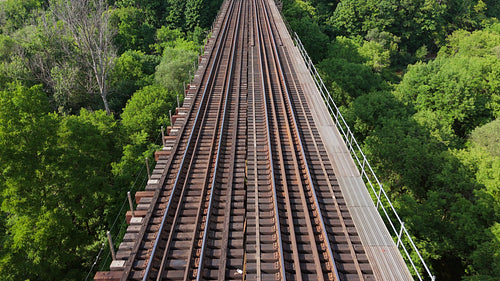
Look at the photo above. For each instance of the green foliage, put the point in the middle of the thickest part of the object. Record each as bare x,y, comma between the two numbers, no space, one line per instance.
193,13
142,119
134,31
190,14
416,22
437,191
15,14
55,174
448,197
61,174
421,52
301,18
6,47
471,44
41,55
68,94
459,89
154,11
486,261
488,137
483,160
415,135
147,111
175,65
348,80
131,164
377,57
166,37
349,69
132,71
370,112
176,17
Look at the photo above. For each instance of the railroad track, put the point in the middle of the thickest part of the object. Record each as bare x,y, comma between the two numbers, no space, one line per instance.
246,190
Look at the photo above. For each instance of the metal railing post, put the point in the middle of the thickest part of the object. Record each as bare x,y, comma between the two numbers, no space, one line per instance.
399,235
363,165
378,197
163,136
111,248
131,205
147,168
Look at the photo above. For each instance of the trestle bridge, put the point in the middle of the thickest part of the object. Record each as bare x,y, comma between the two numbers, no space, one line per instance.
254,182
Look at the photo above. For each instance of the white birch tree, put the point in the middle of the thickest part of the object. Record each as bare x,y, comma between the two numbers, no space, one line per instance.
87,22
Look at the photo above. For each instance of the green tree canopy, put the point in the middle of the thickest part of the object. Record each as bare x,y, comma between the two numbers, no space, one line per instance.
175,65
147,110
134,30
55,182
132,71
460,88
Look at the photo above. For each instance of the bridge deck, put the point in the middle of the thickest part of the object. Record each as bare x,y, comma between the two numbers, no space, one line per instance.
254,181
386,260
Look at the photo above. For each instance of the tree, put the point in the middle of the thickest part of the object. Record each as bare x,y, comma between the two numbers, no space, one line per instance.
459,88
147,110
154,11
142,118
166,37
134,30
88,23
132,71
176,17
347,72
193,13
14,14
488,137
416,22
55,179
175,65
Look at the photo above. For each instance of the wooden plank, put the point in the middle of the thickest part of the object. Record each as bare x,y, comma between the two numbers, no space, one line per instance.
108,276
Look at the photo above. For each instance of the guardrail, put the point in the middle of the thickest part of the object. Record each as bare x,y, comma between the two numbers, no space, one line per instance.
404,242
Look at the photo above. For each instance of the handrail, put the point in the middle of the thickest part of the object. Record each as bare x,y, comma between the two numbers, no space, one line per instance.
398,228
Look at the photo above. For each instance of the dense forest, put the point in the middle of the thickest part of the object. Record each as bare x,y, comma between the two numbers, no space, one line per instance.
84,88
86,85
419,83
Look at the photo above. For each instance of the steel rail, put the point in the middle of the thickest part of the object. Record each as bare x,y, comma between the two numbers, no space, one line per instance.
349,139
273,178
130,261
189,172
289,139
323,168
280,70
228,89
228,202
256,182
255,170
211,72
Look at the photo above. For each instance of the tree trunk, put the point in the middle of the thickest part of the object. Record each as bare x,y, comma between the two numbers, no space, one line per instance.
106,104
